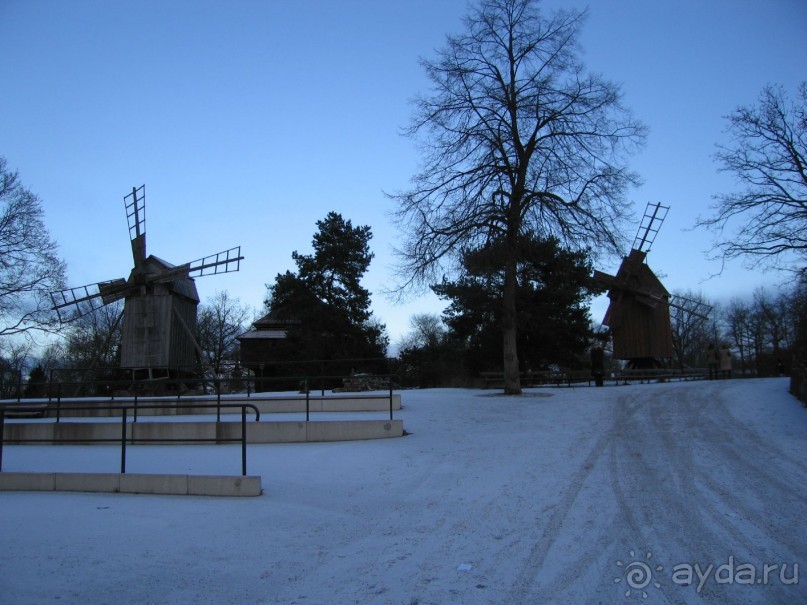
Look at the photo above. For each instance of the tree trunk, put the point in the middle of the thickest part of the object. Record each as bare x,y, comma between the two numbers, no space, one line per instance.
512,380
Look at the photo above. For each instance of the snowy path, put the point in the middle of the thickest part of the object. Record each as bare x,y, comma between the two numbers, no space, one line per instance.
549,498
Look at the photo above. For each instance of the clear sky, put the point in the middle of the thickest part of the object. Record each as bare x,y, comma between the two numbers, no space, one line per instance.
248,121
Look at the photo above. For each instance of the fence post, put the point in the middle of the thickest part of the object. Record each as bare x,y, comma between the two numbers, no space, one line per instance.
123,442
305,386
218,399
244,440
321,379
390,397
2,434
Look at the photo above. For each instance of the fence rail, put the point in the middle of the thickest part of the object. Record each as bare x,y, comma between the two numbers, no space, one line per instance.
123,440
135,391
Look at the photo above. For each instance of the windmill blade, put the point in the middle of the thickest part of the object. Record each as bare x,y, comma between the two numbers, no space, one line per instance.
603,279
135,204
73,303
115,290
618,288
691,307
227,261
654,215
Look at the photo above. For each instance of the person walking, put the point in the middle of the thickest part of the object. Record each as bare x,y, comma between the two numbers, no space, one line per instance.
725,361
712,360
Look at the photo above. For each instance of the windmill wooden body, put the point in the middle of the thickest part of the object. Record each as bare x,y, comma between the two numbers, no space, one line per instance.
160,299
638,314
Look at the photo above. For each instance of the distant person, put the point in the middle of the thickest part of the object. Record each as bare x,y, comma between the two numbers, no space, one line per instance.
725,361
712,360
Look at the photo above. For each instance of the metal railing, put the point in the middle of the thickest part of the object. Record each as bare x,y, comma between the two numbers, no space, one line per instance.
59,393
123,440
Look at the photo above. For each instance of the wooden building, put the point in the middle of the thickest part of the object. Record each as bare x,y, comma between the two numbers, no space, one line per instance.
262,349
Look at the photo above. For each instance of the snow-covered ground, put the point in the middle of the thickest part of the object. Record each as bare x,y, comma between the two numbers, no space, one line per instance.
581,495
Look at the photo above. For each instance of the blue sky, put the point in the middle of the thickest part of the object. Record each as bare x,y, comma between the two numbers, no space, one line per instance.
249,121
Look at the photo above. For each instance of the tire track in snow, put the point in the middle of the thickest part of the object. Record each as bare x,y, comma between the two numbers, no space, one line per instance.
532,566
773,503
661,450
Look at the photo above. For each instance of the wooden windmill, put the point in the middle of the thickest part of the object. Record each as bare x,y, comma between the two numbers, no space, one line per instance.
160,299
638,314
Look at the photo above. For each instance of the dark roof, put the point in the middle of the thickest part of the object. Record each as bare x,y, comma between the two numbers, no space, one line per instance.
271,321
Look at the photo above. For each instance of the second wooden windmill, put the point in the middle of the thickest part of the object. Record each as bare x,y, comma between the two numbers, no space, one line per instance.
160,299
638,314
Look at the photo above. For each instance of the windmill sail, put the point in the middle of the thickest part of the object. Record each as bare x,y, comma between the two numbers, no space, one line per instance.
654,215
689,306
72,303
135,204
221,262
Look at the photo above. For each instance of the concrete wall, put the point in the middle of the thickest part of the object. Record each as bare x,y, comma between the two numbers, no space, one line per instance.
205,432
180,485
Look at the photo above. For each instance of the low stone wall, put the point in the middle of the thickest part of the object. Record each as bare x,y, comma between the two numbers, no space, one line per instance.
196,433
177,485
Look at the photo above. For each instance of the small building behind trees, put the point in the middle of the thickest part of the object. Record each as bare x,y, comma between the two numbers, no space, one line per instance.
262,348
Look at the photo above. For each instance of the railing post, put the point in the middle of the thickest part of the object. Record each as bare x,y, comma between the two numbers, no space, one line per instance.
2,434
218,400
59,402
123,442
307,400
244,440
321,381
390,397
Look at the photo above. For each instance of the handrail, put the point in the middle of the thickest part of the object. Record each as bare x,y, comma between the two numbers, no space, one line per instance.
124,416
55,389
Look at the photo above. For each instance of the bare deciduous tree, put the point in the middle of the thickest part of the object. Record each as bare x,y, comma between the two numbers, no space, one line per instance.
768,155
220,321
739,329
691,333
29,266
427,330
93,341
517,140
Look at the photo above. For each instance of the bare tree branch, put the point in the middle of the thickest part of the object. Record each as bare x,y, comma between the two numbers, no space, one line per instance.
766,222
29,266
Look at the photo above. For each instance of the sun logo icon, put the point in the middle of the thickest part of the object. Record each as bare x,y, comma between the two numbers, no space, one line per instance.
638,574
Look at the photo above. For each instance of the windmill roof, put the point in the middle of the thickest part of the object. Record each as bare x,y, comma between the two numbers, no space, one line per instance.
635,273
183,287
160,261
